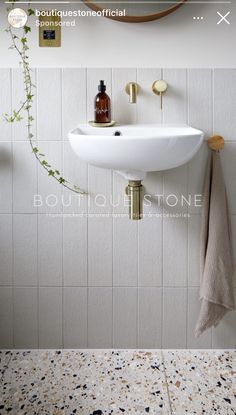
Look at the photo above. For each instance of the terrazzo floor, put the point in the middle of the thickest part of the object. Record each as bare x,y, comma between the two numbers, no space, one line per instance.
67,382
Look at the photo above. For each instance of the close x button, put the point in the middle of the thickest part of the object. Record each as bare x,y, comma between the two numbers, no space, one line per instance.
223,18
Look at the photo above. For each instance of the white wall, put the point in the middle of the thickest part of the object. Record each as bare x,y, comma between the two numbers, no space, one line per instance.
103,282
174,41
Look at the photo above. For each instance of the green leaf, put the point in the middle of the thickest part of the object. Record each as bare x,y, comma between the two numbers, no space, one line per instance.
27,29
30,12
51,172
45,163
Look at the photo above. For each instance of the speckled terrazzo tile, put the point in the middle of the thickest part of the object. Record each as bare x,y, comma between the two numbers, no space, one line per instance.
34,384
201,382
117,382
5,356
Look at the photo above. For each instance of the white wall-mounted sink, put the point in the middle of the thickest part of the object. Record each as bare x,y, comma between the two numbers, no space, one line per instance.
139,149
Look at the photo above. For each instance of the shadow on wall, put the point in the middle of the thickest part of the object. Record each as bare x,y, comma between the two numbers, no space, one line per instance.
5,158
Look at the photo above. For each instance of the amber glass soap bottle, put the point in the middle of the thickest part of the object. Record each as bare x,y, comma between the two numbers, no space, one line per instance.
102,105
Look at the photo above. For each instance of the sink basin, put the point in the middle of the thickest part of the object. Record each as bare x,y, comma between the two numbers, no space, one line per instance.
138,149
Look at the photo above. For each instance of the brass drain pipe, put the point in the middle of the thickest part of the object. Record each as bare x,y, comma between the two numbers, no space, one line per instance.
134,192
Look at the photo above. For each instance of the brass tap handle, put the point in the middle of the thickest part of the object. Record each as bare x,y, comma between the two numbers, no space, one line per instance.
161,95
159,88
132,90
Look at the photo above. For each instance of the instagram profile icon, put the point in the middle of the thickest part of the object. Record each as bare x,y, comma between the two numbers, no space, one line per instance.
17,18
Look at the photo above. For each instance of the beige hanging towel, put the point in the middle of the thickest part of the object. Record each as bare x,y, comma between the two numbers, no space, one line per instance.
216,285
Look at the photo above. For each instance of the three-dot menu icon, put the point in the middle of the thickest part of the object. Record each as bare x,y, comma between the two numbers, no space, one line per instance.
198,17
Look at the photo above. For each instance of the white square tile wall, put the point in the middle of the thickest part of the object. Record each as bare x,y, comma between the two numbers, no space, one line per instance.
71,281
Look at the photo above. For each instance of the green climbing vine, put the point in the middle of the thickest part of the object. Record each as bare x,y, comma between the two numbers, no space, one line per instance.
20,45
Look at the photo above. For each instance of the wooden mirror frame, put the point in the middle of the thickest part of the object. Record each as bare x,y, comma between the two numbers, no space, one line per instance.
137,19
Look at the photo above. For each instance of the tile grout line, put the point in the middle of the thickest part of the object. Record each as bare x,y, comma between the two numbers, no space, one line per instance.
213,130
137,244
162,267
87,221
37,217
138,293
163,237
102,286
112,287
112,239
137,236
62,207
166,382
12,221
188,212
161,69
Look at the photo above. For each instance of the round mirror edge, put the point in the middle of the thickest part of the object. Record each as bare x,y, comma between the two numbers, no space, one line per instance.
137,19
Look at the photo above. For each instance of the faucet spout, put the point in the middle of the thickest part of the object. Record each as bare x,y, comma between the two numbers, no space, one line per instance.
132,90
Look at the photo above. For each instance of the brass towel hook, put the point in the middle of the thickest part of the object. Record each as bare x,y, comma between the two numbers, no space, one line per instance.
216,142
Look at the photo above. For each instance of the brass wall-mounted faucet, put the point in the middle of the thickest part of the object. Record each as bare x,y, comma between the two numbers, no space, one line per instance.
132,90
